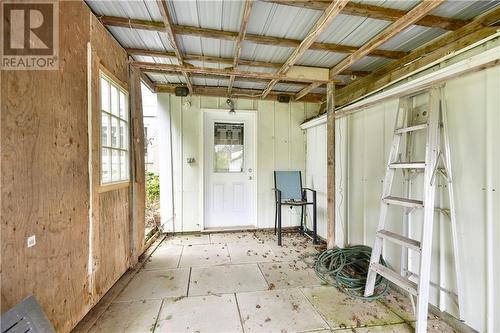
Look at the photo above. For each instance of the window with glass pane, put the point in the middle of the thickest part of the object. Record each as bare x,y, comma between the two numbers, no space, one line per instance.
114,132
228,147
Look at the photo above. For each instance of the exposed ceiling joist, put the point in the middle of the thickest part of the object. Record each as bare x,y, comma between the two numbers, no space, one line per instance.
146,66
229,61
321,25
395,28
241,35
473,32
237,79
377,12
167,26
230,35
237,92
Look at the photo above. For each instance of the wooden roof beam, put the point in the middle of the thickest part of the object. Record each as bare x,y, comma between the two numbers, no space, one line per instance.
412,16
148,66
237,92
473,32
237,79
377,12
241,35
229,61
321,24
167,27
395,28
230,35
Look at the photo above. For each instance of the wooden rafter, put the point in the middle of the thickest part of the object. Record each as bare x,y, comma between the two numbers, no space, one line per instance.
321,24
395,28
147,81
237,92
377,12
229,61
241,79
231,35
412,16
167,26
424,55
148,66
239,40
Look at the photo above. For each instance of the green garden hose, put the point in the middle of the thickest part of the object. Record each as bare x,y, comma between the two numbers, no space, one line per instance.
347,268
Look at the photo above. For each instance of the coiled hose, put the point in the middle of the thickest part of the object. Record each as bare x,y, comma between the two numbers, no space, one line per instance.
347,268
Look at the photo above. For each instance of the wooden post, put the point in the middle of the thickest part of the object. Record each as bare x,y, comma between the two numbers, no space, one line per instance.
330,171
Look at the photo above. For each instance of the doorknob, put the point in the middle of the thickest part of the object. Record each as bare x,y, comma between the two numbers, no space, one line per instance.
250,170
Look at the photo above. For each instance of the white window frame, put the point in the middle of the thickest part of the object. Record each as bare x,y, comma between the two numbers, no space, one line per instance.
121,148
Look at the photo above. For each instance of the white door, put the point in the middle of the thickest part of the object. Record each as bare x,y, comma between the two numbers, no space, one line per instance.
229,169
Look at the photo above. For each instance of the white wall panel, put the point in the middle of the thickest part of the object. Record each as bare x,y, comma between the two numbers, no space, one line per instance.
474,124
280,146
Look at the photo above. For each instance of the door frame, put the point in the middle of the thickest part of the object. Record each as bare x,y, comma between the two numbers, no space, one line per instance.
253,114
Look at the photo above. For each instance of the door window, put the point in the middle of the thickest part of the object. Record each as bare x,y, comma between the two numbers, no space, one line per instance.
228,147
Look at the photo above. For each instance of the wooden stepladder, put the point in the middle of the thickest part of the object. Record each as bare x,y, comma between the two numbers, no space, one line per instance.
411,120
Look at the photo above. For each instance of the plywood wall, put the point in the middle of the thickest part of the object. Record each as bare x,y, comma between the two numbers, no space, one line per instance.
47,187
280,146
45,180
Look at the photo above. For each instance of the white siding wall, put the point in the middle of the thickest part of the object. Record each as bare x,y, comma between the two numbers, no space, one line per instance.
474,124
280,146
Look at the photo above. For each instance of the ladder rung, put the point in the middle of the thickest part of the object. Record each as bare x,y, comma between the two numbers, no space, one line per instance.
411,128
395,278
407,165
399,239
404,202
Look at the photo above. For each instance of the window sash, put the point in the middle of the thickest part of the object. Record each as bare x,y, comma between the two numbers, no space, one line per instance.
114,148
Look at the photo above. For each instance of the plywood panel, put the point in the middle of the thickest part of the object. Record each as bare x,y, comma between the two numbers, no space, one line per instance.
45,180
114,240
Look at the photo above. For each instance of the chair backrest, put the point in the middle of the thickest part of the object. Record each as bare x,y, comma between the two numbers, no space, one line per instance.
289,183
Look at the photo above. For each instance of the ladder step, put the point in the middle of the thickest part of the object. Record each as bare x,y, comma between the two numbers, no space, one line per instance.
399,239
408,165
404,202
395,278
411,128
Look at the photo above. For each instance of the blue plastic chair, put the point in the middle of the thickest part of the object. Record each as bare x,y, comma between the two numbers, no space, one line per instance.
289,192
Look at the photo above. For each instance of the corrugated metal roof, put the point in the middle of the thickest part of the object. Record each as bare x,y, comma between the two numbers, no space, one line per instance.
275,20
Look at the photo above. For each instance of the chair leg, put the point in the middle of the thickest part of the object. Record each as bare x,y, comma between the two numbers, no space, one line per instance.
302,220
275,216
279,226
315,224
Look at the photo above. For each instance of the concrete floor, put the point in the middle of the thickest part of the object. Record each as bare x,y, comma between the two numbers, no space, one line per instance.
244,282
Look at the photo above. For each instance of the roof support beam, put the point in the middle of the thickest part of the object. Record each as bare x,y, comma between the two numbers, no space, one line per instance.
148,66
424,55
395,28
239,40
323,22
229,61
167,23
230,35
237,92
377,12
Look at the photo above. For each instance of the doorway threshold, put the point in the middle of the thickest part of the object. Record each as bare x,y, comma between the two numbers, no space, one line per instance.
230,229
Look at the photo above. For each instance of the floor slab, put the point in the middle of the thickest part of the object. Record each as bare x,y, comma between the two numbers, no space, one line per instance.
226,279
289,274
233,237
200,314
137,316
204,255
164,257
250,253
342,311
278,311
156,284
195,239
